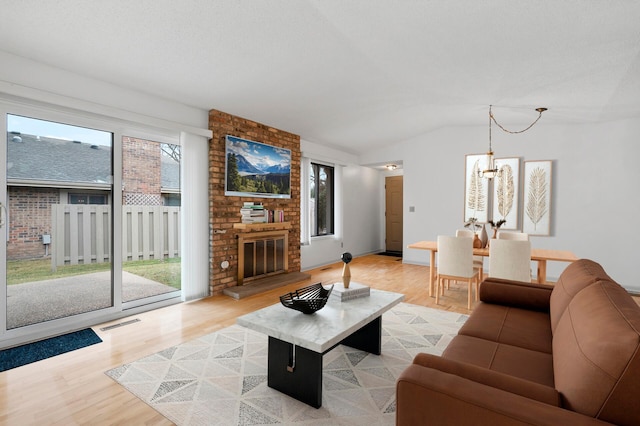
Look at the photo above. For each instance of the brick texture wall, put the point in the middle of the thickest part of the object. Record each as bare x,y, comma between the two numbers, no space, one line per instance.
30,218
141,171
225,211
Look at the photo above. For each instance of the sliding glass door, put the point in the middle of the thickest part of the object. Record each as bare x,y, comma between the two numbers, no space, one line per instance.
151,258
91,220
57,220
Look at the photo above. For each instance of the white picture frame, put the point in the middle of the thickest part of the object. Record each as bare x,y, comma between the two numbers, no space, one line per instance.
536,211
506,193
476,189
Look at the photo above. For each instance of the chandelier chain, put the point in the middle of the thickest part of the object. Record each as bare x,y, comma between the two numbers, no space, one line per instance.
513,132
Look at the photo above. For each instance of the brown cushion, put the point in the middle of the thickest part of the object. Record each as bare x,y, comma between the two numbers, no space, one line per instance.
511,326
526,388
578,275
596,347
528,296
519,362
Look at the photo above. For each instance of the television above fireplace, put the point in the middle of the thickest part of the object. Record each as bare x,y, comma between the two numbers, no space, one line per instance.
255,169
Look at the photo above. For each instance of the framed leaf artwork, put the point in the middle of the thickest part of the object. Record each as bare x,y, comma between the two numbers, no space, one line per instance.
506,192
476,189
536,213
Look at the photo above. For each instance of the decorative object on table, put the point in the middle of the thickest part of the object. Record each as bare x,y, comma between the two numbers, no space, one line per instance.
307,299
346,271
473,225
506,191
489,169
484,238
355,290
476,190
495,226
536,219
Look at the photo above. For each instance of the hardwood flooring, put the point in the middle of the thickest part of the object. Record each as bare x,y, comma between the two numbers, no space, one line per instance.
73,389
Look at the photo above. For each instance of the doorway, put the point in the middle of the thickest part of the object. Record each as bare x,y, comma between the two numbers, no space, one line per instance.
393,214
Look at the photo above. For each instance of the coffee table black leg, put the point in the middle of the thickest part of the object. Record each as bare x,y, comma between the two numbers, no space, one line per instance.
297,373
368,338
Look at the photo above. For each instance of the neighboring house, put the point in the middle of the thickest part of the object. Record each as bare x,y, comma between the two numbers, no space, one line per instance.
42,171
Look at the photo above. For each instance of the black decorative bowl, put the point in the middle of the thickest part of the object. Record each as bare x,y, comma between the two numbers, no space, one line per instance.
308,299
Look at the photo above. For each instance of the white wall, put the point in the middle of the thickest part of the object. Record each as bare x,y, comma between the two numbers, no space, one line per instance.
358,224
595,201
25,78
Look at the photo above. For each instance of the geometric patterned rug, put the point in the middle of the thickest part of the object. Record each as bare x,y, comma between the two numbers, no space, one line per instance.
221,378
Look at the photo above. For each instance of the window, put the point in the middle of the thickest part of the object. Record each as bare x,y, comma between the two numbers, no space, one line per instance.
321,200
88,199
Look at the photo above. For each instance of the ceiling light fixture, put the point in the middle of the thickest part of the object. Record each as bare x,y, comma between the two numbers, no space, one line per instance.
391,167
492,171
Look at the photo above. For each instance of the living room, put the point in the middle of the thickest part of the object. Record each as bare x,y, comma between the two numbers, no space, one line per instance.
585,72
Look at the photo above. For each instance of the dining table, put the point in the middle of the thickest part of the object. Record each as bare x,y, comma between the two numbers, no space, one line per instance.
541,256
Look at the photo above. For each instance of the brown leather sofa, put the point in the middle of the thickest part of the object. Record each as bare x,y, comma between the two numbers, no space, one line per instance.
533,354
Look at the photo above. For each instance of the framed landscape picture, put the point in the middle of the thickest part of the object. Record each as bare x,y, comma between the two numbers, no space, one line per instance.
476,189
255,169
536,215
506,192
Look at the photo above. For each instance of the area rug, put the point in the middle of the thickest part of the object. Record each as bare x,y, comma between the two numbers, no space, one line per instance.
221,378
43,349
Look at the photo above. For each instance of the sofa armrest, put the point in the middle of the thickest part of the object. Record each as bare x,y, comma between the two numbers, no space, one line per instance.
430,396
516,293
492,378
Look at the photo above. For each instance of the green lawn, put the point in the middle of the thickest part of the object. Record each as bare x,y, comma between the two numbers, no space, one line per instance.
165,271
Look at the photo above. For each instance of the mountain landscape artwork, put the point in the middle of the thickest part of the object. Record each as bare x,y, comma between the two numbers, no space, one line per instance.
257,169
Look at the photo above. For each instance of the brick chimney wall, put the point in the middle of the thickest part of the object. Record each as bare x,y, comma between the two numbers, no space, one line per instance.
224,211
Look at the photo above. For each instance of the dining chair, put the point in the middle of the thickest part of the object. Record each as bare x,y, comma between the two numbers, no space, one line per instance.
455,262
510,259
478,261
507,235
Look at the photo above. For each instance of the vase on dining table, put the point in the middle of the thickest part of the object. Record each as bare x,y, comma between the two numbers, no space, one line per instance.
477,242
483,236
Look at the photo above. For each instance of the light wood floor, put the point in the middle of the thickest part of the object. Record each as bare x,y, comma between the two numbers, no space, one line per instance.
73,389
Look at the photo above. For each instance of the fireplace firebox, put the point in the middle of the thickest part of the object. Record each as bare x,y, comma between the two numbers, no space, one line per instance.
261,254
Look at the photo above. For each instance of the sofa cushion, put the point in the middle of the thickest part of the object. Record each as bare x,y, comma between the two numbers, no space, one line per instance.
511,326
529,296
577,276
519,362
596,354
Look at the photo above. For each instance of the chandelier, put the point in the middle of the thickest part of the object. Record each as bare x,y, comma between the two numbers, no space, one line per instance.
492,171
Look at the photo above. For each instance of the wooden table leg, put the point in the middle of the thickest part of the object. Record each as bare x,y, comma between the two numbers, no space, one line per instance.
432,271
542,271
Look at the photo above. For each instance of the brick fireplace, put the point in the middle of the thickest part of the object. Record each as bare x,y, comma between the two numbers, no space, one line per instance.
262,254
225,227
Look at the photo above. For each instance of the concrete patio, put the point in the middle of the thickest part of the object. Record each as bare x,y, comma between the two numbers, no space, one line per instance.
35,302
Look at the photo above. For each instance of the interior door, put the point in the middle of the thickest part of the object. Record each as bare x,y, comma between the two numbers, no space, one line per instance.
393,213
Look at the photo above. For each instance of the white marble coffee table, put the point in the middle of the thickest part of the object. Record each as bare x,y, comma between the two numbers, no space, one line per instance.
297,341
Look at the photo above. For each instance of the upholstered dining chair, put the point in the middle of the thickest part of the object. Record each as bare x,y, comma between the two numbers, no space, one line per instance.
455,262
508,235
510,259
478,261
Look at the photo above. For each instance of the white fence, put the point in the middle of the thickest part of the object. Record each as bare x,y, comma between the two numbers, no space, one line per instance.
81,234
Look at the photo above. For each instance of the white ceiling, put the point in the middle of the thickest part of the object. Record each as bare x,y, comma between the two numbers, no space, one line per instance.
351,74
